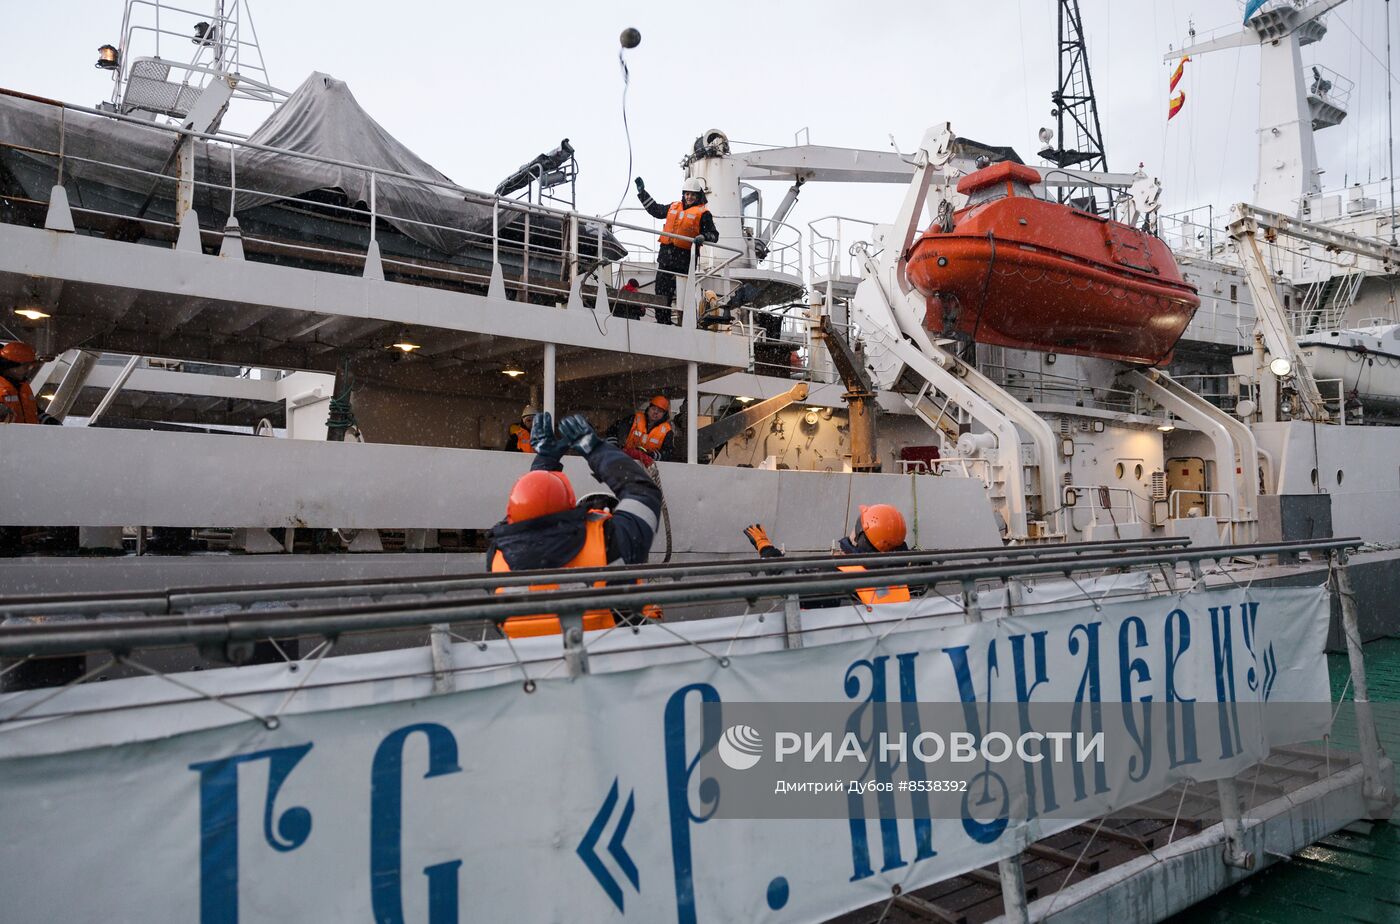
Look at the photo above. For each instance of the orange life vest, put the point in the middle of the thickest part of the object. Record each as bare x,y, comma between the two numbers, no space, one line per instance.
594,554
682,220
870,596
522,439
644,438
19,401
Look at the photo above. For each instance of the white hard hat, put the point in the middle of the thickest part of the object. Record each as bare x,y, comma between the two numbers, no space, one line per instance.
530,411
693,184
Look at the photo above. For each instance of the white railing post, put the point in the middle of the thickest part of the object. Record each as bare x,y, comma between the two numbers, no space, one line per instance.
373,206
685,300
550,352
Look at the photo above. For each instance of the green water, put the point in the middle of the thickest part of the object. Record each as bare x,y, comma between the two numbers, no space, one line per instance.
1353,875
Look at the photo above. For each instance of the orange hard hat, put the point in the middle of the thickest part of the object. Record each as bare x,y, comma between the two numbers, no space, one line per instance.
883,526
18,352
662,402
539,493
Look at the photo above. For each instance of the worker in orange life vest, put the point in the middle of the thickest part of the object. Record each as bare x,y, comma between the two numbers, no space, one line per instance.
17,366
544,529
518,439
689,217
648,434
880,528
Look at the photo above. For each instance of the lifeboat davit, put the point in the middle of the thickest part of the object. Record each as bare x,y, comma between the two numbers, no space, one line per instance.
1021,272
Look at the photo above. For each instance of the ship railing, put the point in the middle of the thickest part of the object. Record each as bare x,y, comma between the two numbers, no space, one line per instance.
1104,501
1211,509
213,617
1193,231
552,251
1329,86
1040,386
962,466
1214,387
787,355
829,240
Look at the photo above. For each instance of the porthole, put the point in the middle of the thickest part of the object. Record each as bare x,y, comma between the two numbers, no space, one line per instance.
1339,476
1137,471
1118,470
1314,477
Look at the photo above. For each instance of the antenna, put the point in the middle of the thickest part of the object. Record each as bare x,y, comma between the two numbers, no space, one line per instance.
1074,104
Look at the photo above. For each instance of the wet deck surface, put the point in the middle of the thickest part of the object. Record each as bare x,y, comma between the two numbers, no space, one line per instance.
1353,875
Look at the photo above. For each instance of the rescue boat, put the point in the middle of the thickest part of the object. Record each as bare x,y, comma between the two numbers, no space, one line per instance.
1019,271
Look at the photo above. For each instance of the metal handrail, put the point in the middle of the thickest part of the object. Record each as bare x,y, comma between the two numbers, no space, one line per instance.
1174,502
1094,505
58,638
568,243
180,599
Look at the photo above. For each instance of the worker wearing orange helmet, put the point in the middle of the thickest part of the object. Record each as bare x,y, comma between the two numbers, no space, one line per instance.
879,528
648,434
17,366
544,528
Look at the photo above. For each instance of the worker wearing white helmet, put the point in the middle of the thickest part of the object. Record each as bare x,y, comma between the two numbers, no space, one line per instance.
518,439
686,219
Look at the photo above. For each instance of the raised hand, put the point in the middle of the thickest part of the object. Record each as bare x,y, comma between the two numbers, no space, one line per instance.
579,433
542,438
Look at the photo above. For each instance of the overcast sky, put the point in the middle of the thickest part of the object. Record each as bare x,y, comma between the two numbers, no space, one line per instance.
476,90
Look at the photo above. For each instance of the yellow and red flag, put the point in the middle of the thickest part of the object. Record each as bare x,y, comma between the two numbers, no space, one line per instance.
1175,102
1176,74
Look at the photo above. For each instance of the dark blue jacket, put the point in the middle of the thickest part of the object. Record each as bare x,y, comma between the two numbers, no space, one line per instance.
552,541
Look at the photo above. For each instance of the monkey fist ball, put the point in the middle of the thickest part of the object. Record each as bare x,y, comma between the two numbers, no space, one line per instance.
630,38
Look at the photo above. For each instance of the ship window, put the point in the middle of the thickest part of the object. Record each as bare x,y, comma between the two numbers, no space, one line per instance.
1137,471
1234,292
1314,477
1118,469
1339,476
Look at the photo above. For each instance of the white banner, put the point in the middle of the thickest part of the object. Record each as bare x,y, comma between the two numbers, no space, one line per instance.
582,799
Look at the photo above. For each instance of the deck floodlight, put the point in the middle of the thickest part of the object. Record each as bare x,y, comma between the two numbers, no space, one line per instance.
32,314
107,58
205,34
1168,425
513,372
1281,367
406,346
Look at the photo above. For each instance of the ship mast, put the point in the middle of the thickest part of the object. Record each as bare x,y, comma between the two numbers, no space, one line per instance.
1074,103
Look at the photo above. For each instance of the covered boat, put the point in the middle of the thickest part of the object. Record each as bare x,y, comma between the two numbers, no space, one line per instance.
1015,270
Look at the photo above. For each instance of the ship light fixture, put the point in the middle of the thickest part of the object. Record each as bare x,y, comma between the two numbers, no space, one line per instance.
1280,367
744,398
513,373
107,58
32,314
47,396
1168,425
406,346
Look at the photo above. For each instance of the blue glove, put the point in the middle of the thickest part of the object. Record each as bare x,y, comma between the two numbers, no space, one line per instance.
641,187
542,438
579,433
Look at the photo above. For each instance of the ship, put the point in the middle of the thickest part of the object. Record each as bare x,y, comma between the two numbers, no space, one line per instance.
251,652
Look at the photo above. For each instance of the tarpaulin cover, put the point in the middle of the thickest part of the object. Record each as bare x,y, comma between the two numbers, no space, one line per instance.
321,118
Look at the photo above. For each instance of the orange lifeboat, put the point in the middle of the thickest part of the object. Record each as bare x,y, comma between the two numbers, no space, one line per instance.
1021,272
